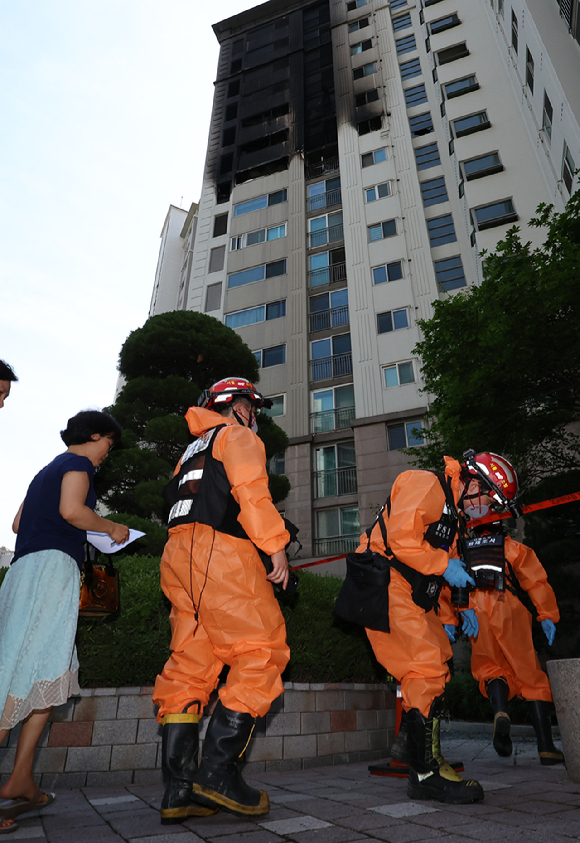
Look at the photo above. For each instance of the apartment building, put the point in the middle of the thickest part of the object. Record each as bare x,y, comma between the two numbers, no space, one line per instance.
361,156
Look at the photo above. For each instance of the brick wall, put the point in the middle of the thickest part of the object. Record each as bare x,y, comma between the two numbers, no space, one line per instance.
109,736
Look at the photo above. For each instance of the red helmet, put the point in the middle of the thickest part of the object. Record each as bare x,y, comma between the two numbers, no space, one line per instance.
225,391
495,473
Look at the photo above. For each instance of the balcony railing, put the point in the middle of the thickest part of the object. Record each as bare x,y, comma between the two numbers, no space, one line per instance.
325,200
327,275
333,318
326,235
322,168
335,482
334,546
331,367
332,420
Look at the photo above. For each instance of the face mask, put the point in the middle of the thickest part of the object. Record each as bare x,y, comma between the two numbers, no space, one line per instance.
474,512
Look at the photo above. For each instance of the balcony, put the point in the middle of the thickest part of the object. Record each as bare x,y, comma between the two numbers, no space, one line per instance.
333,318
334,546
327,275
325,200
326,235
331,367
330,420
322,168
335,482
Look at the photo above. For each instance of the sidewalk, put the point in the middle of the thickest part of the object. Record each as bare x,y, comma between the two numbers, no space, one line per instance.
524,802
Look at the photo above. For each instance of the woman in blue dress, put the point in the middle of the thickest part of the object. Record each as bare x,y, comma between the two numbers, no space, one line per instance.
39,599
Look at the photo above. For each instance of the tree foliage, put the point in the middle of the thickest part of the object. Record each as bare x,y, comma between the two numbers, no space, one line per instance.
502,360
165,365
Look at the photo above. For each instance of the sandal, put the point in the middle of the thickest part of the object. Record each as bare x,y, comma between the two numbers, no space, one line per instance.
23,806
7,829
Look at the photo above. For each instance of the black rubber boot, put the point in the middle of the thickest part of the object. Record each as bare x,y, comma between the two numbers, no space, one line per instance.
400,747
219,781
497,691
542,723
179,754
430,777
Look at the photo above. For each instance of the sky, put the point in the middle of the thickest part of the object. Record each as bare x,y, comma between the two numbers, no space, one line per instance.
105,110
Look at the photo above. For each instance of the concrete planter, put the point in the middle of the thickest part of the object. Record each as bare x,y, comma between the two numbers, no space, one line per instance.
109,736
565,681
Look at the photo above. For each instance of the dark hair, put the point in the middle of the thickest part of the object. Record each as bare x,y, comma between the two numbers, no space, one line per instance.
6,372
81,427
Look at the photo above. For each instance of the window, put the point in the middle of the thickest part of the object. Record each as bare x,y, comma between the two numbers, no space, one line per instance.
410,68
388,272
497,213
382,230
402,22
261,235
325,229
441,230
367,126
274,310
231,112
461,86
256,273
229,136
337,531
324,194
277,463
473,123
332,409
329,310
547,117
442,24
366,97
483,165
326,268
361,47
427,3
397,4
434,192
365,70
449,273
220,225
399,374
374,157
361,23
379,191
405,435
500,7
457,51
234,88
213,296
568,168
260,202
415,96
355,4
421,124
514,32
216,259
335,472
529,71
406,45
278,408
274,356
331,357
392,320
427,156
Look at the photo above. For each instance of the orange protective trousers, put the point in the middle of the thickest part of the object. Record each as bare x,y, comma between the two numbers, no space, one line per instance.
239,624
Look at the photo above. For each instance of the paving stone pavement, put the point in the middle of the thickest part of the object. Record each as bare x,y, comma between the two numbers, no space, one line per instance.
523,802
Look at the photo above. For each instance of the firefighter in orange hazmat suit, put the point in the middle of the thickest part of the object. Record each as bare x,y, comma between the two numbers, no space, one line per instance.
421,525
223,607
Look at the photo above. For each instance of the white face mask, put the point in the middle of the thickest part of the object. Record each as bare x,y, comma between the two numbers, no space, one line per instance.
474,512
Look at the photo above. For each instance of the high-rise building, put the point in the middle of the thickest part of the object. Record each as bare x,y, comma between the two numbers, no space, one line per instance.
361,155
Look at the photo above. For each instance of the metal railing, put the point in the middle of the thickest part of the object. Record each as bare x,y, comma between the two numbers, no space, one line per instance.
335,482
331,367
325,200
333,318
334,546
331,420
327,275
322,168
326,235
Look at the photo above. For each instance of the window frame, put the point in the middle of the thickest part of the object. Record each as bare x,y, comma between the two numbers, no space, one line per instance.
381,225
421,92
396,367
547,117
417,423
272,398
446,226
375,187
493,222
242,239
429,201
484,171
268,203
407,44
453,17
514,33
568,168
481,126
419,162
365,45
459,93
446,55
393,327
441,284
419,122
529,70
385,267
261,351
362,72
258,266
357,25
413,65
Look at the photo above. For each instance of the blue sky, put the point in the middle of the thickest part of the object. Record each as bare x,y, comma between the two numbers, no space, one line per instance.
105,111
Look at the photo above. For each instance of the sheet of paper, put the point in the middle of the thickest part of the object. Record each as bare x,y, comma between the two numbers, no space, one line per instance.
104,543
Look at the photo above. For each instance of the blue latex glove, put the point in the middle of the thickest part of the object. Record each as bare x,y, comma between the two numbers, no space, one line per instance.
456,575
549,628
450,630
470,623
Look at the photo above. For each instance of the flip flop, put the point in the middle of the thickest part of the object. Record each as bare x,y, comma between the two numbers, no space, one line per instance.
24,806
9,828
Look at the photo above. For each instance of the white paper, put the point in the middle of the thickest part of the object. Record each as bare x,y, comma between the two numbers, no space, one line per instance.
104,543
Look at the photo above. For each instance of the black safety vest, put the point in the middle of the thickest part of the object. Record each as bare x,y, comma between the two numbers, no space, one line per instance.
486,560
201,492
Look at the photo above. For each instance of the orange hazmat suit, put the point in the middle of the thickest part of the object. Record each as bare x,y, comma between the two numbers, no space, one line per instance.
223,609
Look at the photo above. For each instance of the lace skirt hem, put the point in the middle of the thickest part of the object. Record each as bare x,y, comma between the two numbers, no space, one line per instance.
43,694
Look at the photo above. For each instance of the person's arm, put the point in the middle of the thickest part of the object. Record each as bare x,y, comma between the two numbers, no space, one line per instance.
16,522
533,578
73,494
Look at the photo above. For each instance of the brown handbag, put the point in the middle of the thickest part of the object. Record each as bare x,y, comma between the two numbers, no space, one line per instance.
99,586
